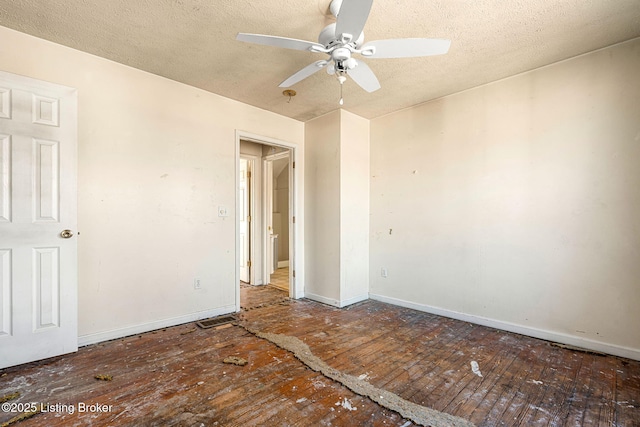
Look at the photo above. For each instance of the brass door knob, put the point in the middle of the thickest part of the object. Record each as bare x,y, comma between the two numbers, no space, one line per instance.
65,234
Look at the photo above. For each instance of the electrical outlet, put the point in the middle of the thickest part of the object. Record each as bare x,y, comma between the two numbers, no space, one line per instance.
196,283
383,272
223,211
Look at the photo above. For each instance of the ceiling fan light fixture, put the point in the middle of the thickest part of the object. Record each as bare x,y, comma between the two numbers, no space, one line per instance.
350,63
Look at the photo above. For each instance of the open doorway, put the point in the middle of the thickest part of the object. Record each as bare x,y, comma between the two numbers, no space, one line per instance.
276,196
265,216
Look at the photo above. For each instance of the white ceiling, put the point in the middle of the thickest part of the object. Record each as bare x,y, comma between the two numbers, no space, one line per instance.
193,41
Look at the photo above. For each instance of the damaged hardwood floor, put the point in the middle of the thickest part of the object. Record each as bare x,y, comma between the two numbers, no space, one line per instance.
176,376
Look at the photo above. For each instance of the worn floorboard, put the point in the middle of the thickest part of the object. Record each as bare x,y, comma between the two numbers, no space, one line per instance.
176,377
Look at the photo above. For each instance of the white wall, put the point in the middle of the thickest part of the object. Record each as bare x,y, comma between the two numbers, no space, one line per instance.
517,204
322,208
156,159
337,194
354,208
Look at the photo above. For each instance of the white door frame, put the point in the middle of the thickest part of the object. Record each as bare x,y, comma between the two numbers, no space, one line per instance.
296,247
251,160
267,209
267,215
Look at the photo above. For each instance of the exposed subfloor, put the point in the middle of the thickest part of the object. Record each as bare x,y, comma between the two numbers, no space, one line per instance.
176,376
252,297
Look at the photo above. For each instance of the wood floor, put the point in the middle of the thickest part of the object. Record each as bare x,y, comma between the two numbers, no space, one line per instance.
280,279
176,376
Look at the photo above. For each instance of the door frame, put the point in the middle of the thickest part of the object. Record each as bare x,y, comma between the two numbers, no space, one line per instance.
296,246
267,208
251,161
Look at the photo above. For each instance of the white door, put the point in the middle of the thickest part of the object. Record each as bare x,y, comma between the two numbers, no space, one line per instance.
245,219
38,258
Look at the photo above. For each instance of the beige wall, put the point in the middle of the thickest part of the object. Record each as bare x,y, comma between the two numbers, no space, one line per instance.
155,160
337,197
322,208
517,204
354,208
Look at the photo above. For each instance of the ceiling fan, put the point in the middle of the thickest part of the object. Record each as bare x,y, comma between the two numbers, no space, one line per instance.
342,39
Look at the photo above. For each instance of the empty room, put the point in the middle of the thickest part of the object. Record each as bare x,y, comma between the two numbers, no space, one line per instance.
347,212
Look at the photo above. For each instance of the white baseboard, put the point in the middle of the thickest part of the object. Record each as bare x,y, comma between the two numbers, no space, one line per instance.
359,298
324,300
572,340
88,339
335,302
282,264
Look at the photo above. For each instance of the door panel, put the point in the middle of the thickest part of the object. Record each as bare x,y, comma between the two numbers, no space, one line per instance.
38,266
46,192
5,178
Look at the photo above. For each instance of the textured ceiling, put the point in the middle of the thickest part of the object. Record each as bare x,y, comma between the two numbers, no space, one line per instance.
193,41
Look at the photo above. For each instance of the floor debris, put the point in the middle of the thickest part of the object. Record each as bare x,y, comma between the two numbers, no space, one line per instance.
188,332
580,349
233,360
418,414
475,368
103,377
346,404
9,396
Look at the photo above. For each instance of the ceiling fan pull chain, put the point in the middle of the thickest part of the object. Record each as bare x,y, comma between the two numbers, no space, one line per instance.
341,100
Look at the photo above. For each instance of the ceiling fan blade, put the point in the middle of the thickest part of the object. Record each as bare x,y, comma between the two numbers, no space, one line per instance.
304,73
407,48
276,41
364,77
352,16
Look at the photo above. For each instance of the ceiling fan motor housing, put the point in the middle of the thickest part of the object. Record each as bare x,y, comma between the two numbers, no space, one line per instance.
328,36
341,54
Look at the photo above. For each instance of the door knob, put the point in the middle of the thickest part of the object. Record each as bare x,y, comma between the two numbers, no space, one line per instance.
66,234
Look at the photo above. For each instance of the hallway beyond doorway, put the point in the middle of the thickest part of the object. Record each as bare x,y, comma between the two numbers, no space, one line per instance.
280,279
